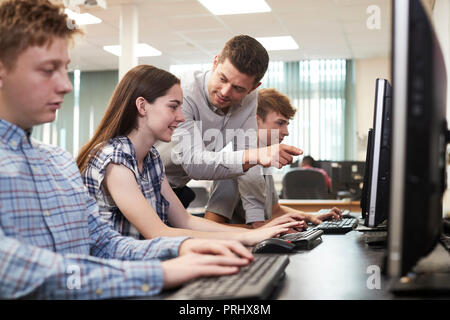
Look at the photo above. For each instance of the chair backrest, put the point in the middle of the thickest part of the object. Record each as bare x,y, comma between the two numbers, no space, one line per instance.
201,197
304,184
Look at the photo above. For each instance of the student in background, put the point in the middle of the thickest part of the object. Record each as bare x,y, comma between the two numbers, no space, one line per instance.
124,173
220,110
225,205
308,163
53,243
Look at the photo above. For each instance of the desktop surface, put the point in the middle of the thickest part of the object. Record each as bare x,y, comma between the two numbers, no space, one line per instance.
343,267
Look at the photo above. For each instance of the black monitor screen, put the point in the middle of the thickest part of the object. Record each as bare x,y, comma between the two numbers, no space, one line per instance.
365,197
419,138
347,177
377,175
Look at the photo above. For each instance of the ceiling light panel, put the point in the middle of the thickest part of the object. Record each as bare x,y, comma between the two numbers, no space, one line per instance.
235,6
278,43
143,50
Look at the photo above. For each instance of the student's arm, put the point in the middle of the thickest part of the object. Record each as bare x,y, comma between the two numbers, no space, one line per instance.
122,186
221,219
30,271
192,222
178,216
280,211
33,272
188,150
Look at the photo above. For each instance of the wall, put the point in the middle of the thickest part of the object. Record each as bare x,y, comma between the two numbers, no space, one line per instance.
367,71
441,14
96,88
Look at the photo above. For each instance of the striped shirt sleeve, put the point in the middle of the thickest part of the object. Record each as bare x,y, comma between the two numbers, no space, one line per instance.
32,272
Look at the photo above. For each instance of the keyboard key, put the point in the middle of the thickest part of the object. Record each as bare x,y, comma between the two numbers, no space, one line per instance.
253,281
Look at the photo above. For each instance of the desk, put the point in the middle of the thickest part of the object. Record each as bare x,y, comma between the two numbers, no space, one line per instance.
338,268
315,205
344,267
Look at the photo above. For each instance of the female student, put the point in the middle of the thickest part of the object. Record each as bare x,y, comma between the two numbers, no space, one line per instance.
124,173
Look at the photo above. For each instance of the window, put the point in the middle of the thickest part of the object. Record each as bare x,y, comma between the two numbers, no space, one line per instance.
316,89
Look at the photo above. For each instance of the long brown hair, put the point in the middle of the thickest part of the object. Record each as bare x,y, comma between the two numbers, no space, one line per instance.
121,115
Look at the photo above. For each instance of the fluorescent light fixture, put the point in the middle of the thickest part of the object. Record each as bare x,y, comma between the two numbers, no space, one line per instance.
278,43
143,50
224,7
82,18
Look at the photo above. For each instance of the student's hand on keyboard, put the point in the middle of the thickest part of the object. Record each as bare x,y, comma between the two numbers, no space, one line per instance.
229,248
255,236
193,265
289,217
332,214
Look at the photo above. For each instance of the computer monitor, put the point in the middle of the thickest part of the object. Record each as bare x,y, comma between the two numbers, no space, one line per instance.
351,172
419,138
376,186
325,165
346,178
365,196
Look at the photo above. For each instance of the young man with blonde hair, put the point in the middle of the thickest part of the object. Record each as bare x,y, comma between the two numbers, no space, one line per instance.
53,243
225,203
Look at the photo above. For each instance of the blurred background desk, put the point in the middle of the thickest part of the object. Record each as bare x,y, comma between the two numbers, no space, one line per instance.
315,205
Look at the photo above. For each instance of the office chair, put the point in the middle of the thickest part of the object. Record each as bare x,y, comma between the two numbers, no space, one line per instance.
198,205
304,184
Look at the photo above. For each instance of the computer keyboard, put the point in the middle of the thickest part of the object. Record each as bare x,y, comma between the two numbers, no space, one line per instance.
305,240
254,281
338,226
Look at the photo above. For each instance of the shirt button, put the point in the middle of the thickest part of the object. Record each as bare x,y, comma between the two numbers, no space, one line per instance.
99,292
13,143
47,213
35,170
145,288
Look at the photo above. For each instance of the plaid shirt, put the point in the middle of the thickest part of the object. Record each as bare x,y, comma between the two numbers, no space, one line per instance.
120,150
53,243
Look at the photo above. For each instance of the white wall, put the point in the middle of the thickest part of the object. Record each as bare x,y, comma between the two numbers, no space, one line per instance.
441,14
367,71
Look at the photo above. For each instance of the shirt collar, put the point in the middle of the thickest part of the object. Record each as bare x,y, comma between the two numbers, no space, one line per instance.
130,148
13,135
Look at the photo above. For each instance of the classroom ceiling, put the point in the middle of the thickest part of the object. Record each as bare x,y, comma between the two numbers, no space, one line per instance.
186,32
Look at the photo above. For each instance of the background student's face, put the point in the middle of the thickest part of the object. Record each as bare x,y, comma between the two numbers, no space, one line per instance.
273,121
164,114
32,92
227,86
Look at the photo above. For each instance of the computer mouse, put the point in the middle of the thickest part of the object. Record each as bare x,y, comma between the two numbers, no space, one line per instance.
274,245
